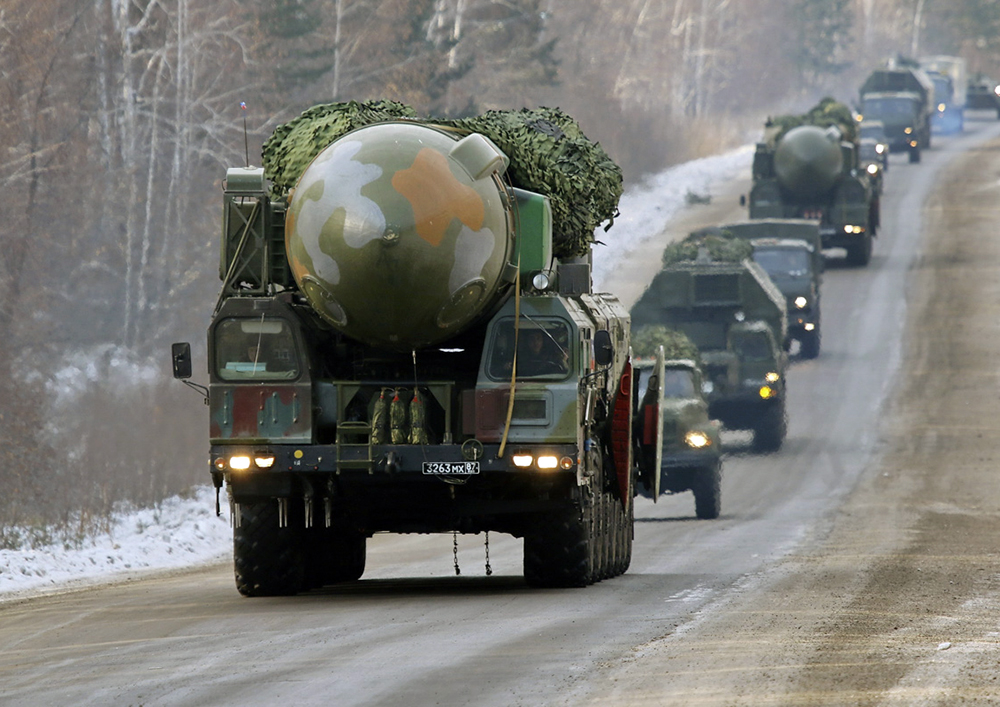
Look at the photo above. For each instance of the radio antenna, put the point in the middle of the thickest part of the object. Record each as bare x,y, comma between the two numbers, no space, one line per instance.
246,140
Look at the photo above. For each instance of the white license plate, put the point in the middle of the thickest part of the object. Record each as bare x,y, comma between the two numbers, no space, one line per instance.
451,468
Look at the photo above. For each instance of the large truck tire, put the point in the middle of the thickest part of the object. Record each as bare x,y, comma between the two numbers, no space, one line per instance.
770,432
809,344
558,550
267,559
707,489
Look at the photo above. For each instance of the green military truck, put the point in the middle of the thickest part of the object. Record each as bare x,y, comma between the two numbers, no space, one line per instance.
901,96
401,344
806,167
668,368
710,289
790,252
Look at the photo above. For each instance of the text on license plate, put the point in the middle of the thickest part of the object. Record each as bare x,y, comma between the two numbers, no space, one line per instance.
451,468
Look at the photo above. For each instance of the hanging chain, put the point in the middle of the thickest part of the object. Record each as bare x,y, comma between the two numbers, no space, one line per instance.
454,540
489,570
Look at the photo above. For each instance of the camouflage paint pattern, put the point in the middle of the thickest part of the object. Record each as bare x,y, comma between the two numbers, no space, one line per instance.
258,413
393,241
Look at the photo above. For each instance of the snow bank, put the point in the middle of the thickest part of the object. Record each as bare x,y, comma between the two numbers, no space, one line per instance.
180,533
647,208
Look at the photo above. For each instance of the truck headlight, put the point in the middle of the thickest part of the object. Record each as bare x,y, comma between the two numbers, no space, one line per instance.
908,130
772,377
801,302
547,462
872,169
697,440
767,392
264,461
522,461
239,462
880,148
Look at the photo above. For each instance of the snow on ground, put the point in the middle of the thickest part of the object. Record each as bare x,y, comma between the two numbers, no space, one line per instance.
181,532
648,207
184,532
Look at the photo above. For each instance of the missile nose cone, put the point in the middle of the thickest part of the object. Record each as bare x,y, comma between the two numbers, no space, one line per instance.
808,161
398,233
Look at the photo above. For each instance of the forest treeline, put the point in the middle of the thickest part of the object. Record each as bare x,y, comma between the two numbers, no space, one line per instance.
119,118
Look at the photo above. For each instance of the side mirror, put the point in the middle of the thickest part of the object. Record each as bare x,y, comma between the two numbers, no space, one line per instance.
604,350
181,355
743,199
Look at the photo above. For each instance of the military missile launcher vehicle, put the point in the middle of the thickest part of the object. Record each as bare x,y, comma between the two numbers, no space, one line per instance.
901,97
669,370
790,252
807,167
710,289
402,345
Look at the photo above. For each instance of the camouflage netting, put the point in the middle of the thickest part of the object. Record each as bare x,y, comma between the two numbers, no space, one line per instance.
548,152
722,246
293,145
675,344
824,114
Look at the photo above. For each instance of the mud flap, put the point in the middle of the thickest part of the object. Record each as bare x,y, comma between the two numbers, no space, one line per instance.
621,435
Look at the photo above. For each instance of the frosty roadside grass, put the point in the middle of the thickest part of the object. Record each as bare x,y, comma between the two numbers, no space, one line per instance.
181,532
185,532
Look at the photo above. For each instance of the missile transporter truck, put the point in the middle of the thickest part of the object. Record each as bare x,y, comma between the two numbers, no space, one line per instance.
902,97
710,289
668,368
806,167
401,344
790,252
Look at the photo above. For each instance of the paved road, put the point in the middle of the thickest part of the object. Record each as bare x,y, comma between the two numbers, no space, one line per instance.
411,632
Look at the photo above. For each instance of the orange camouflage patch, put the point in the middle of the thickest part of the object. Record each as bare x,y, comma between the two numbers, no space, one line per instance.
437,197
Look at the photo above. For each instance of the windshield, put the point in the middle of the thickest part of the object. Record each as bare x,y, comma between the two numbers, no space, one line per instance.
258,349
542,349
891,108
782,262
875,132
678,383
752,346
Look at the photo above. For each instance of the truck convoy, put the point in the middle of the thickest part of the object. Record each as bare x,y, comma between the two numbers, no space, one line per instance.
407,340
710,289
948,74
790,252
901,96
668,367
806,167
